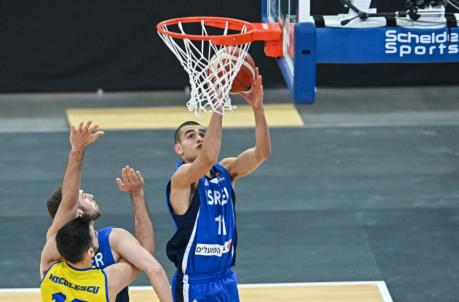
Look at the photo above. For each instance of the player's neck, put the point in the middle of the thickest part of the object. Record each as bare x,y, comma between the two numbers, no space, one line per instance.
86,263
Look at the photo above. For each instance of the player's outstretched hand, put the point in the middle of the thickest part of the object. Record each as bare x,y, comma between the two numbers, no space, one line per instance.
132,181
83,135
255,95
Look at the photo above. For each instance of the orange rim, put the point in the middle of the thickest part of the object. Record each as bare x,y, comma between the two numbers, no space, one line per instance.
218,22
271,33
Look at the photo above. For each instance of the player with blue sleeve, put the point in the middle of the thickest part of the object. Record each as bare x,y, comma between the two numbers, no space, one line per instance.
71,243
201,199
111,240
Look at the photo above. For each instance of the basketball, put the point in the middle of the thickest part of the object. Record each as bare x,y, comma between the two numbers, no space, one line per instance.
228,58
245,77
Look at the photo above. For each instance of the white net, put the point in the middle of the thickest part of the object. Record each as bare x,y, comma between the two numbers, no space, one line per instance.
211,68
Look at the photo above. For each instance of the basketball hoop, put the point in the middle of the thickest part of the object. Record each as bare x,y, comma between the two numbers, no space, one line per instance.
203,46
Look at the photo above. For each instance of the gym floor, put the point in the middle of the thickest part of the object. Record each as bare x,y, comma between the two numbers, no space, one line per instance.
366,190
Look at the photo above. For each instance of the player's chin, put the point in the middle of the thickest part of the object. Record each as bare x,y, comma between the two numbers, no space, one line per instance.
95,215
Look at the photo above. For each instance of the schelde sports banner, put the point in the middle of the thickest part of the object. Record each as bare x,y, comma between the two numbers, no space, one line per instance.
405,44
387,44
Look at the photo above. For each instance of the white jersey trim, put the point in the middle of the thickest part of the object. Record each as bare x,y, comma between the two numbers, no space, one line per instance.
188,247
186,289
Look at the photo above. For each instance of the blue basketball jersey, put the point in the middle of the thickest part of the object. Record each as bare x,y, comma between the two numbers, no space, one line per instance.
205,240
104,258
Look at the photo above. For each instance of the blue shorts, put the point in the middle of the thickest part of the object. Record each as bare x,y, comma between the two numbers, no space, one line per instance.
219,287
123,296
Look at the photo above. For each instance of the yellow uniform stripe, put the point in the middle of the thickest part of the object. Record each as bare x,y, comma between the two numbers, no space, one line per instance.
278,115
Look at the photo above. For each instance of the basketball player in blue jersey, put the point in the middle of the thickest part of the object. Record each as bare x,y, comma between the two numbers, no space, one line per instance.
112,240
201,199
119,275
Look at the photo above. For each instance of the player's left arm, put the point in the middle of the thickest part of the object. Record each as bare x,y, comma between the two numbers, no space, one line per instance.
250,159
131,251
133,184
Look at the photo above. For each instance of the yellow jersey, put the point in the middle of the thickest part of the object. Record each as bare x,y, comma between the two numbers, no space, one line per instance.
65,283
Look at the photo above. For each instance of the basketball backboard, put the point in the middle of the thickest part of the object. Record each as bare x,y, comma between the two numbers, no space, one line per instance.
288,13
422,33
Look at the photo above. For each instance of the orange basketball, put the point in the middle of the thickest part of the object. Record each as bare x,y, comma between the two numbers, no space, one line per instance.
227,59
245,76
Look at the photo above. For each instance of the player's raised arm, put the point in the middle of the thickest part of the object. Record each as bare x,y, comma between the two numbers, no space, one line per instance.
209,142
131,251
80,138
133,184
251,158
199,151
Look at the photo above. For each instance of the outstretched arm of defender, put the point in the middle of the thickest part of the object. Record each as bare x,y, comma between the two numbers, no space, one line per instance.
133,184
80,138
251,158
131,251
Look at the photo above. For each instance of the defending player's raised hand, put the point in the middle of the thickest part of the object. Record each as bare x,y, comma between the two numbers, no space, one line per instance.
132,181
83,135
255,95
80,137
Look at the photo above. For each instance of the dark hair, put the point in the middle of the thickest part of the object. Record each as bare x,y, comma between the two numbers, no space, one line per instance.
177,131
54,201
74,239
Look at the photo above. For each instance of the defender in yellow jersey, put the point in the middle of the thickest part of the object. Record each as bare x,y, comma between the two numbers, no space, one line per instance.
63,282
75,240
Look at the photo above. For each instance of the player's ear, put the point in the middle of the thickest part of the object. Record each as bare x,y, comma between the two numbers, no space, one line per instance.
178,149
79,213
91,252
